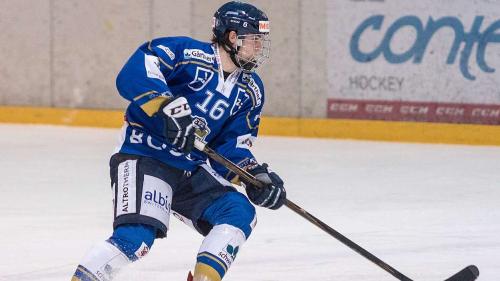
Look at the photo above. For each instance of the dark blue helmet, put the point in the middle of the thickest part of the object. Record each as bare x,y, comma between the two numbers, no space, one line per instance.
250,25
243,18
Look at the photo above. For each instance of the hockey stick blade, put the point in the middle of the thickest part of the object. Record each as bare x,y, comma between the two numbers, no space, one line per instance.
469,273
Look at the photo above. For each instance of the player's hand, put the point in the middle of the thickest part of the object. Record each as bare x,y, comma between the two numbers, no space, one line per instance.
178,126
272,195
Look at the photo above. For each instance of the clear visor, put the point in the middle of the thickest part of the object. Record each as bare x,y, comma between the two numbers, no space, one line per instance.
253,50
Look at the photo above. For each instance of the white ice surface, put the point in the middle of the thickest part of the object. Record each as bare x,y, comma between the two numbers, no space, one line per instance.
427,210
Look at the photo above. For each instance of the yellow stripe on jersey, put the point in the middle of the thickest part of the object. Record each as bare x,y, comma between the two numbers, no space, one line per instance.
236,180
252,95
145,94
166,64
136,124
211,67
152,106
160,59
248,122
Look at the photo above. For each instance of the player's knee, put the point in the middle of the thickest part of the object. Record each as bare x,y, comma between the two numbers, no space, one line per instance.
134,240
247,215
233,209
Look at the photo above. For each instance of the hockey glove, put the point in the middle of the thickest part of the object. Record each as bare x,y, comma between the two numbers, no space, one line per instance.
178,124
272,195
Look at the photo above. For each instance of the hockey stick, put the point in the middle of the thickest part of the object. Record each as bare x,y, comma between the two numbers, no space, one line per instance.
470,273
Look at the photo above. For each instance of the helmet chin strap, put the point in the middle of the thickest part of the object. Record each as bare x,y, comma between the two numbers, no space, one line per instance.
232,53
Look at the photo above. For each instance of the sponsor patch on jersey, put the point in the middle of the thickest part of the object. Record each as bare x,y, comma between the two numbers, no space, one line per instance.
264,26
152,65
248,163
256,91
126,188
245,141
167,50
142,251
199,55
156,199
228,254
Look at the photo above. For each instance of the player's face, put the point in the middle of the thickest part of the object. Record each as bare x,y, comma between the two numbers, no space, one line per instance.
253,50
251,46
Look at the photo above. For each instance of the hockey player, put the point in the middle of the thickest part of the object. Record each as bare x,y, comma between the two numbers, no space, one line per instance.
178,86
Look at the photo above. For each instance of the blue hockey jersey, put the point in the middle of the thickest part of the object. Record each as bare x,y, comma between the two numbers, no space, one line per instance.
225,111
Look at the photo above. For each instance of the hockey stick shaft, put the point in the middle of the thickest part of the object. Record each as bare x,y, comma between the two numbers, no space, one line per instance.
243,174
469,273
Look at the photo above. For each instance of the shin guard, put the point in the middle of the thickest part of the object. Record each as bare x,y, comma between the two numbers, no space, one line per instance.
101,263
217,252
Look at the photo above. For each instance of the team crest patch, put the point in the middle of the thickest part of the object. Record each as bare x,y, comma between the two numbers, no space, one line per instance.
246,77
201,78
201,127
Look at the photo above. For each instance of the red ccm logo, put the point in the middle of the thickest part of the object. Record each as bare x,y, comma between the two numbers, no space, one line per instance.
263,26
